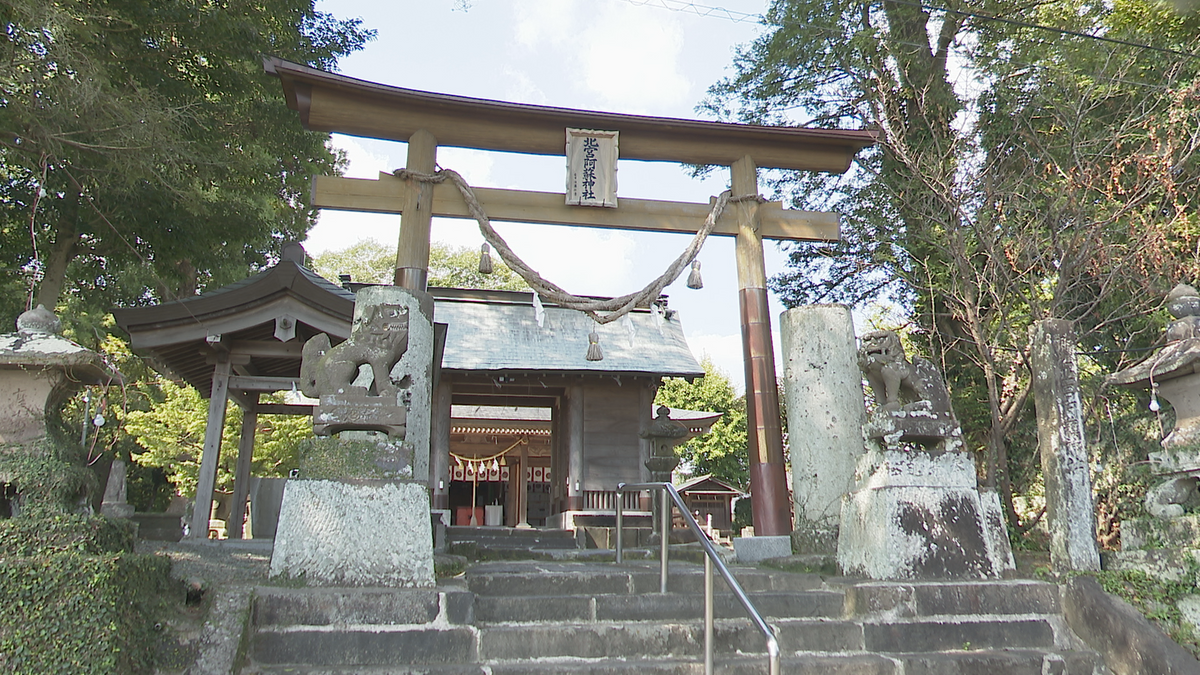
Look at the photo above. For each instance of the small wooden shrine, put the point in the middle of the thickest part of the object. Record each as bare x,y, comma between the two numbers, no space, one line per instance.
520,418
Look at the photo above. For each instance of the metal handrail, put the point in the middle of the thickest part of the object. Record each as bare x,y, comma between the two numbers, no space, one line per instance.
710,558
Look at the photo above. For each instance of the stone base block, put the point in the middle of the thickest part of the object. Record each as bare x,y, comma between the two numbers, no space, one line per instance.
1153,533
920,516
1168,564
811,538
755,549
357,455
357,411
334,533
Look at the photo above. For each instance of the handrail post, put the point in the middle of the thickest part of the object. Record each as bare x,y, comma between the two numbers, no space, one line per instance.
666,540
708,616
712,560
620,531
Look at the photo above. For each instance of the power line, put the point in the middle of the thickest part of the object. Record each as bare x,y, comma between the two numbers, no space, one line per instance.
1038,26
742,17
700,10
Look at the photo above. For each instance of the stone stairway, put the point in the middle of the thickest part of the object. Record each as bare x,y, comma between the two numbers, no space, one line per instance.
500,540
506,618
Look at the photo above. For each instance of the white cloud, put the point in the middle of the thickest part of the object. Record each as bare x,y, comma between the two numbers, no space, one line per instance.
522,88
544,21
366,157
627,57
633,58
582,261
474,166
336,230
725,352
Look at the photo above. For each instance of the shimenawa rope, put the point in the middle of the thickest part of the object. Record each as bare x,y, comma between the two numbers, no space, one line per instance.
614,308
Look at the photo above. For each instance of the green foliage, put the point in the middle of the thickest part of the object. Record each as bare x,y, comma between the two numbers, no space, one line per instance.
371,262
85,614
77,599
145,150
170,434
1060,183
722,451
48,474
65,533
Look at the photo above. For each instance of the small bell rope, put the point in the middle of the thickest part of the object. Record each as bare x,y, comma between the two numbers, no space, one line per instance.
613,308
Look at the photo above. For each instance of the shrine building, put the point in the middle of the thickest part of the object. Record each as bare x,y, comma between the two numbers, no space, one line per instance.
519,414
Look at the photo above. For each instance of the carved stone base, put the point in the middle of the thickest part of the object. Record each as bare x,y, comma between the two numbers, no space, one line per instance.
917,515
356,455
915,425
335,533
1168,564
1156,533
355,410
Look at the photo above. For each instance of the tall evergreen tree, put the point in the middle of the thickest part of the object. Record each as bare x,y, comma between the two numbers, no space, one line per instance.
1026,170
144,152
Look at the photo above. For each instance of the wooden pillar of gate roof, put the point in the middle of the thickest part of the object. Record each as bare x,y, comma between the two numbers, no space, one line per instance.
768,474
412,251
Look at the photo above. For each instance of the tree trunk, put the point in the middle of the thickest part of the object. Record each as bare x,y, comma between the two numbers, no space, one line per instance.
54,273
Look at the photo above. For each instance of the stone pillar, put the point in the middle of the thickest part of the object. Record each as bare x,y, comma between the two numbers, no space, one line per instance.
826,416
115,504
1070,511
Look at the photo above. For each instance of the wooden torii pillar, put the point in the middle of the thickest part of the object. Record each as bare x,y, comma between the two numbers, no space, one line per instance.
335,103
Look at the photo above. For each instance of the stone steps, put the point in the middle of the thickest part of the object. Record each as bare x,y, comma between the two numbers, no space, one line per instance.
509,538
543,617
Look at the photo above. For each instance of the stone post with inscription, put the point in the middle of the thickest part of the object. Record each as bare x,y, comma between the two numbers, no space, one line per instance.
825,415
1070,510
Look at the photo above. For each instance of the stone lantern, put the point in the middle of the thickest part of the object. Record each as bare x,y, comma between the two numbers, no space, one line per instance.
39,369
664,434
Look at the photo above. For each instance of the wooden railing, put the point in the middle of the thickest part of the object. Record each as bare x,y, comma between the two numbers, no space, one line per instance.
606,500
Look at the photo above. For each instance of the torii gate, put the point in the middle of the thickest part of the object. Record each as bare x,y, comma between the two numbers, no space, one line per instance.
334,103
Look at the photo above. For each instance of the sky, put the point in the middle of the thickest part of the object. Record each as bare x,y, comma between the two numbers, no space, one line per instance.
646,57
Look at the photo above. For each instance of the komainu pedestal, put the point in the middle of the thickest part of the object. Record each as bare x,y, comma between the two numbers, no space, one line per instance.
357,514
916,510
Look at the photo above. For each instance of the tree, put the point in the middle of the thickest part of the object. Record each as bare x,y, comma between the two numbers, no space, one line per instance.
369,261
170,432
145,153
1052,185
722,451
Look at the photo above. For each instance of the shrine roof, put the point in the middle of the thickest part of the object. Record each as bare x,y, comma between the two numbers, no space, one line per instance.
488,331
498,331
336,103
708,484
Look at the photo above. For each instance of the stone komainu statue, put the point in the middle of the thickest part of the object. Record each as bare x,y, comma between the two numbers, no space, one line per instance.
896,382
379,339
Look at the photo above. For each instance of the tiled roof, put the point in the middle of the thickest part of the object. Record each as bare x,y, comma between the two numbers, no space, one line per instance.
501,333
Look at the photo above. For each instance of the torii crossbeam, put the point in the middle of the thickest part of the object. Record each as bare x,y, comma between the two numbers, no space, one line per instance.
335,103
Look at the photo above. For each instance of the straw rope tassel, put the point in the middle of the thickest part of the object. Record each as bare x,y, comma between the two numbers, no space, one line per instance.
485,259
594,352
694,280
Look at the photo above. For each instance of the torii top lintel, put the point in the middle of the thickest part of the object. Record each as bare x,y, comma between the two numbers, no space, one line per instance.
336,103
